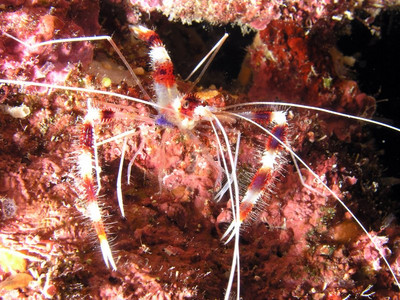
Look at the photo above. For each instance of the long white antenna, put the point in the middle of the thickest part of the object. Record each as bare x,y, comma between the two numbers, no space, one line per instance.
377,247
331,112
211,53
86,39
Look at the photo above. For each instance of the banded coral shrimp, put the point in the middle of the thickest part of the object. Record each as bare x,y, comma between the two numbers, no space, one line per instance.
158,216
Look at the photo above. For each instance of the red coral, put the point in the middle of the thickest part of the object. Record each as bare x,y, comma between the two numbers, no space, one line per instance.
291,66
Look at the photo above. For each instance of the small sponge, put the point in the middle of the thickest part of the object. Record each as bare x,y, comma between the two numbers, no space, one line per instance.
8,208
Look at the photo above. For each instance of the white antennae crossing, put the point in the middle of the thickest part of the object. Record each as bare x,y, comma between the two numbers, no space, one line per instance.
377,247
175,111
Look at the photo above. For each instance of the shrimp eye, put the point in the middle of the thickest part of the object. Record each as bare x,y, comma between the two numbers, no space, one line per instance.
186,104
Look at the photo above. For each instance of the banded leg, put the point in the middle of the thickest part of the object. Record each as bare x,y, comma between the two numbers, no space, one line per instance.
163,70
87,161
271,162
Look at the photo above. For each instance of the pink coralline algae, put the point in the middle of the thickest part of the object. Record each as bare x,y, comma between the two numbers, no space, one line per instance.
249,13
256,14
34,24
301,245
